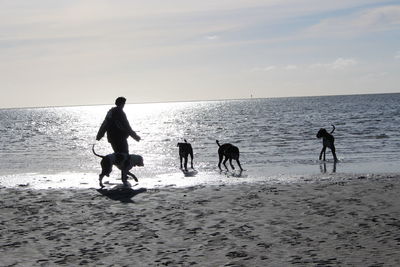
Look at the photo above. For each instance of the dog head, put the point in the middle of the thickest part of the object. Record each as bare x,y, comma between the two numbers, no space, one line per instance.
321,133
137,160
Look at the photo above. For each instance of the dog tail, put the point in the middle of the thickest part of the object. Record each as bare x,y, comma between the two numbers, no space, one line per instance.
333,128
185,140
94,152
217,142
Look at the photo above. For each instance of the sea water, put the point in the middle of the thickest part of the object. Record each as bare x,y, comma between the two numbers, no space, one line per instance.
276,138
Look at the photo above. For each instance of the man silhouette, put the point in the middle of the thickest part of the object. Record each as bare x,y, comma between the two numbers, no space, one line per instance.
117,127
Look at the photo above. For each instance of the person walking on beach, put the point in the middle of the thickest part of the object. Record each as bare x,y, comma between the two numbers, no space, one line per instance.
117,127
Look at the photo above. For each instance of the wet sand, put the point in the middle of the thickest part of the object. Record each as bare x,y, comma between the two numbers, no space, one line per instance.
349,222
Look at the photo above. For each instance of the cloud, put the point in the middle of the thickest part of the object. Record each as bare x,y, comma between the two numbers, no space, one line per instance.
373,76
263,69
290,67
397,55
212,37
269,68
342,63
338,64
383,18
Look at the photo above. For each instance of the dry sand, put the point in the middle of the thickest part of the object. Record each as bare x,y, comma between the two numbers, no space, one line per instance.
354,222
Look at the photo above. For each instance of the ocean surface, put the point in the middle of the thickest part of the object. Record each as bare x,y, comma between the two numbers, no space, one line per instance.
51,147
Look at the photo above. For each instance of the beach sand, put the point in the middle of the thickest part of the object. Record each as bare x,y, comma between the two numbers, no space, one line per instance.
348,222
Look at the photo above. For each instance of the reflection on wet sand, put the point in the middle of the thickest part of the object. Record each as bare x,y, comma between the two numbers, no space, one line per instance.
323,168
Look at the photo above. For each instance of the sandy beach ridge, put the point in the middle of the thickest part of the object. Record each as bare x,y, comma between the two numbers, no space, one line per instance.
348,222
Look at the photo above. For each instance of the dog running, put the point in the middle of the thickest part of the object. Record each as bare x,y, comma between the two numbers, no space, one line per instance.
230,152
185,149
327,141
124,162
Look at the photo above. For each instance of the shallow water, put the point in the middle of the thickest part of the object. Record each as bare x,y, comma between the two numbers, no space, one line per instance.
276,138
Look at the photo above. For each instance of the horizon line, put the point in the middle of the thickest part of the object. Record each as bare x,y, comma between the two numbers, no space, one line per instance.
200,100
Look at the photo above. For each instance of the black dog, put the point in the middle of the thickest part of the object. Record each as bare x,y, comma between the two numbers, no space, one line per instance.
185,149
123,161
327,141
230,152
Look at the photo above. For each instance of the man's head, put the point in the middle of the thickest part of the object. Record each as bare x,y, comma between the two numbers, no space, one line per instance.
120,101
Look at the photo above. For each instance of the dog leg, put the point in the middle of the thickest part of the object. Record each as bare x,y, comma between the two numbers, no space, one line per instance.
191,159
240,166
226,159
180,158
230,162
101,180
220,160
334,153
322,152
133,176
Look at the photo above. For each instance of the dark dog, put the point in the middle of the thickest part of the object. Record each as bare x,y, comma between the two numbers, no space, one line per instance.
123,161
327,141
185,149
230,152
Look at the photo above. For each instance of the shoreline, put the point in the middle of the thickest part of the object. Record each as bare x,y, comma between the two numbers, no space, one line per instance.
342,222
178,179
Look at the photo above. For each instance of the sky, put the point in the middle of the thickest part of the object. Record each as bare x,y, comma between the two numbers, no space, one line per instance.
70,52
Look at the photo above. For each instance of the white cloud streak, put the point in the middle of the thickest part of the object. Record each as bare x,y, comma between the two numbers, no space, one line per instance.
263,69
338,64
377,19
291,67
